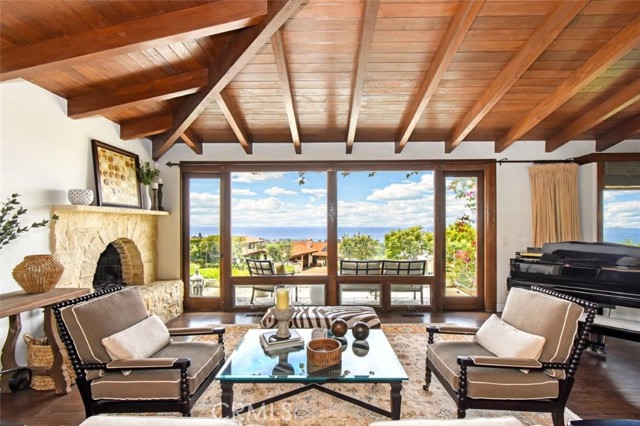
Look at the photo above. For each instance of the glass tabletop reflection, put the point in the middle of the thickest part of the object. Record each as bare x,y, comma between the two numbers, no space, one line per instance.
370,360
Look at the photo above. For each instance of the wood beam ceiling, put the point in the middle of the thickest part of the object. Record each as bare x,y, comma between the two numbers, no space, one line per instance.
618,134
146,126
594,116
277,45
366,38
234,119
136,94
610,53
239,51
103,43
451,41
192,140
545,33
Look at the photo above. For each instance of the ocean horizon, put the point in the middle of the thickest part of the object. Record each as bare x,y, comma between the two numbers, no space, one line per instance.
301,233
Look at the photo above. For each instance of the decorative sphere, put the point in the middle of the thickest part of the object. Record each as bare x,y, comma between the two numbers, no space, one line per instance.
339,327
360,330
360,348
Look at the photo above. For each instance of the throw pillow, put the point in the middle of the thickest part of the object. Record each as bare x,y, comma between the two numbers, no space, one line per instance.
506,341
141,340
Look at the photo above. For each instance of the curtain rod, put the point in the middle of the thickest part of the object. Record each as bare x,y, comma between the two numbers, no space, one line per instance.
500,161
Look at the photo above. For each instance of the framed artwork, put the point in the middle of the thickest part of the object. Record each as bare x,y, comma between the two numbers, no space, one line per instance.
116,178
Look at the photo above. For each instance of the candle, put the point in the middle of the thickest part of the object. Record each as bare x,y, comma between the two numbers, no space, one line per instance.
159,180
154,185
282,298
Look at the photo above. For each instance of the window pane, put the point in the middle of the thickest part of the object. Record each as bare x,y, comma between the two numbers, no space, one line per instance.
461,234
360,294
621,216
279,217
386,215
204,252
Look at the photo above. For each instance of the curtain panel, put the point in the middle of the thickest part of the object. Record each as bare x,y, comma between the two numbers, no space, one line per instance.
554,201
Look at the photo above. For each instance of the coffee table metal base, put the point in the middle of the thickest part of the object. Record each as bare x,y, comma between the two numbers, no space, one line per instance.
229,411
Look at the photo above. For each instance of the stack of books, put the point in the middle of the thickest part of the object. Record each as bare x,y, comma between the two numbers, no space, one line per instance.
270,343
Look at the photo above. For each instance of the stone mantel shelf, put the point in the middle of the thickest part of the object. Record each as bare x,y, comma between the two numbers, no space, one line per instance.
104,209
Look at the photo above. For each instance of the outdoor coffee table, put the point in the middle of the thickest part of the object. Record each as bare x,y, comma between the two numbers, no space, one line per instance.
250,364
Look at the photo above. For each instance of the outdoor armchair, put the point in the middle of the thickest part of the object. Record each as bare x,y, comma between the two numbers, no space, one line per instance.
525,361
125,359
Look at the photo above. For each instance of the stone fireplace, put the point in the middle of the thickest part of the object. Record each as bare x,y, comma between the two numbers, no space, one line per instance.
83,233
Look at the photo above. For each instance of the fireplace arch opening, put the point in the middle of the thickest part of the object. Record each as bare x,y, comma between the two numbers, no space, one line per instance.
119,264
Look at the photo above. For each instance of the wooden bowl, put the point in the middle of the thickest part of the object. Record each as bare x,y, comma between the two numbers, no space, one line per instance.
324,352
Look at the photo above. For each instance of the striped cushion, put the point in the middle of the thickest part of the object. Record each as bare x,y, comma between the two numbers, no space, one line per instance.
161,384
489,383
323,316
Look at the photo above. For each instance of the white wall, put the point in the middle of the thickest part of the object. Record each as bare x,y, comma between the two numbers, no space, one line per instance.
42,155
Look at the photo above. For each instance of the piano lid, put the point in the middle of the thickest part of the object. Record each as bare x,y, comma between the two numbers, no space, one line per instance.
596,254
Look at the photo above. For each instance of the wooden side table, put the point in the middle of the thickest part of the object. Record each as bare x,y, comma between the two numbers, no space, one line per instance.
12,305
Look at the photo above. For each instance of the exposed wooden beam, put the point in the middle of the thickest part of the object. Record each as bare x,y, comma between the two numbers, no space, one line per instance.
74,49
610,53
277,45
192,140
618,134
135,94
451,41
366,38
591,118
544,34
238,52
232,116
147,126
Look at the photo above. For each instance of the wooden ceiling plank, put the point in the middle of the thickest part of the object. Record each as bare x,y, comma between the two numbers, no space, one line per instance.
618,134
594,116
626,40
148,126
192,140
232,116
136,94
277,44
189,23
540,39
364,51
238,52
453,38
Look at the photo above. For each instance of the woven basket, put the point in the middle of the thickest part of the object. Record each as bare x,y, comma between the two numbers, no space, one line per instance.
38,273
39,354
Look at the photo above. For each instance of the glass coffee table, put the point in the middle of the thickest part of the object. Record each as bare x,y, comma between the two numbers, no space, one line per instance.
363,361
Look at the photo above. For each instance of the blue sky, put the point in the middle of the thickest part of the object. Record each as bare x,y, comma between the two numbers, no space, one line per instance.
387,199
621,209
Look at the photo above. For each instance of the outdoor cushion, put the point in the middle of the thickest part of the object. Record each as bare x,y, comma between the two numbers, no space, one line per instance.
506,341
161,384
549,313
489,382
497,421
141,340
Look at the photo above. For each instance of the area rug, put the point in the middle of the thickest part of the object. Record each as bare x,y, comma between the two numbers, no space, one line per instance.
313,408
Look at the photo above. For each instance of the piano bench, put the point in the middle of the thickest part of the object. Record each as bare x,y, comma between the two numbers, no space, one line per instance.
618,328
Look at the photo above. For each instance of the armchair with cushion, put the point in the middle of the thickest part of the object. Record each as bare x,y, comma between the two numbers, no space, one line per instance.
259,267
125,360
525,361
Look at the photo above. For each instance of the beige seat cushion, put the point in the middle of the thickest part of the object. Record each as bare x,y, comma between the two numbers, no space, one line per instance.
506,341
489,383
156,421
498,421
141,340
161,384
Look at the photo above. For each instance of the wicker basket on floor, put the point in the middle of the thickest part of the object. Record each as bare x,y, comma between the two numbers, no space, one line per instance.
39,354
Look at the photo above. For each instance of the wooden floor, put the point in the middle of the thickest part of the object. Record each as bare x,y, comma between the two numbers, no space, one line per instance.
605,387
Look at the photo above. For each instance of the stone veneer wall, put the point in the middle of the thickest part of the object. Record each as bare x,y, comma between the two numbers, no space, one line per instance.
82,233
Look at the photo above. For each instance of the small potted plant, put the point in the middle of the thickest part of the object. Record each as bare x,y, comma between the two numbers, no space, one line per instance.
146,176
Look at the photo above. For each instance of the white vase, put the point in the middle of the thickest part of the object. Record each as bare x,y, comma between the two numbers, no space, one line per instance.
145,197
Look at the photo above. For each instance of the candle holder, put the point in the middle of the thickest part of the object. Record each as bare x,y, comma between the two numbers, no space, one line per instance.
283,316
160,208
154,199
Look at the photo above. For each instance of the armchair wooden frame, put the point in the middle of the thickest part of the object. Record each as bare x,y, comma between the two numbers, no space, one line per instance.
556,406
93,406
263,267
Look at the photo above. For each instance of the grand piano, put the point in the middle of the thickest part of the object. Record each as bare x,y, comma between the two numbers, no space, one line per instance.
605,273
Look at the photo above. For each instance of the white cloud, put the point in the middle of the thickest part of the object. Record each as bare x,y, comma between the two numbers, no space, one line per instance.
276,190
622,214
405,190
256,177
316,192
242,191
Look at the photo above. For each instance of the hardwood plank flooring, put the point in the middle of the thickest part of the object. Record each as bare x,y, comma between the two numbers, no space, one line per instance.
604,388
